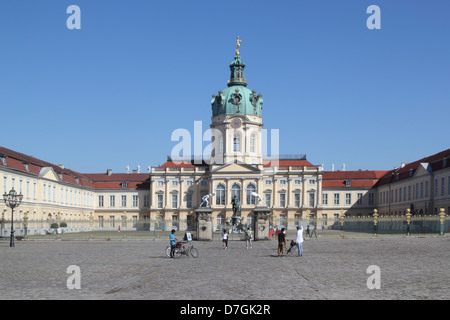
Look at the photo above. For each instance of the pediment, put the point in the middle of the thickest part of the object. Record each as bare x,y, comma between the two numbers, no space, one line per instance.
236,168
423,169
48,173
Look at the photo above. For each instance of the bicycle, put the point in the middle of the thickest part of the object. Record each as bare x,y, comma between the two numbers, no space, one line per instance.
182,250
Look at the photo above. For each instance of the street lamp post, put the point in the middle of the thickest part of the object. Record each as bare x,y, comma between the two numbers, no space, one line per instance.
12,200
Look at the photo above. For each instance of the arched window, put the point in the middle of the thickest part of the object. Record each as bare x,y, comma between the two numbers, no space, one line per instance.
237,142
220,194
236,191
251,199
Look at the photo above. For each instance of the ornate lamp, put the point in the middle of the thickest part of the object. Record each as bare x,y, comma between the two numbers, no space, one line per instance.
12,200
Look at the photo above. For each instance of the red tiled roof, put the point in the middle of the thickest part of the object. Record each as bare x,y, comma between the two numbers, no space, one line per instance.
15,160
436,161
358,179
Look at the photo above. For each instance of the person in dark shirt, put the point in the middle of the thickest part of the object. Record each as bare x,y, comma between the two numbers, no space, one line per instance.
281,241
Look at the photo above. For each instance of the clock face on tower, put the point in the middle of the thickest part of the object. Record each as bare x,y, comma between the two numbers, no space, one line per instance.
236,123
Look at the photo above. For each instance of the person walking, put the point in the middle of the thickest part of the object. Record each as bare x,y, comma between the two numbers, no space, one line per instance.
248,238
299,240
281,241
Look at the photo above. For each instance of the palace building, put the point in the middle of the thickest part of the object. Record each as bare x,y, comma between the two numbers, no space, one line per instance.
167,196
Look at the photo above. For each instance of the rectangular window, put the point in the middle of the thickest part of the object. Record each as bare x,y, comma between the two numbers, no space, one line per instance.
371,198
297,200
426,188
442,186
100,221
360,198
448,186
174,201
282,182
174,183
348,198
409,193
297,182
111,222
268,199
436,187
135,201
282,200
123,202
101,201
146,201
160,183
325,198
189,201
28,189
189,183
112,201
268,182
336,199
160,201
312,200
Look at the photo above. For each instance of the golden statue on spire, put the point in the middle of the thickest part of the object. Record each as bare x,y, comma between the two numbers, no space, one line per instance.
238,43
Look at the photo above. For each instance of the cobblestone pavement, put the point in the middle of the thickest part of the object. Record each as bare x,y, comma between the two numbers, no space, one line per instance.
411,268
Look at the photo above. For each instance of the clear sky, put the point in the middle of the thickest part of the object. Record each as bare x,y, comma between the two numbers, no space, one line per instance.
111,94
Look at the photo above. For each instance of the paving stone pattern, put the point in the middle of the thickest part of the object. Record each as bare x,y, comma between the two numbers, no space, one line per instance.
411,268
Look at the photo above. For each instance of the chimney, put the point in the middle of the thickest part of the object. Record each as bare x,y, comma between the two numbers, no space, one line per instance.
109,172
332,167
402,165
61,166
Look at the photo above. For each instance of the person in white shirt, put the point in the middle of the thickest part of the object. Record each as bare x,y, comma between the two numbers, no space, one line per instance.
299,240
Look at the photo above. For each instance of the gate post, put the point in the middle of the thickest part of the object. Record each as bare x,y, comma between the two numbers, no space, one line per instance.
442,220
408,222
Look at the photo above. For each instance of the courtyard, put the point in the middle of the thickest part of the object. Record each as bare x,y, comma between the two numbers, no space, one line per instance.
410,268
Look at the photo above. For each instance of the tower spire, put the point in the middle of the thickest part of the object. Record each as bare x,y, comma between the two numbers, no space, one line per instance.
237,68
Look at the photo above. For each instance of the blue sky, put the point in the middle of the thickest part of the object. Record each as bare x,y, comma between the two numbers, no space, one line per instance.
111,94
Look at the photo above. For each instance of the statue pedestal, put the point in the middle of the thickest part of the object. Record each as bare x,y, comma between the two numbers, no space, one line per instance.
261,215
204,224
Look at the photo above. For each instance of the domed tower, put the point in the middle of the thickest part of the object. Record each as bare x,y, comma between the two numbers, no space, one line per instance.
237,119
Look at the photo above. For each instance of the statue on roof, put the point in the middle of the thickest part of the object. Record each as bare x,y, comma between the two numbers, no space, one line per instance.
238,43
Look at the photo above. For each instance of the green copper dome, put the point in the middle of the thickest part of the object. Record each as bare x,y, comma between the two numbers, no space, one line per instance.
237,98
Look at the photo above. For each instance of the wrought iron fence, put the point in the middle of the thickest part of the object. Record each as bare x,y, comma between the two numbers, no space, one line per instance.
354,226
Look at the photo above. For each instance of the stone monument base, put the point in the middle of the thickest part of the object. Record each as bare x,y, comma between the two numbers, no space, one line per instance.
204,224
261,228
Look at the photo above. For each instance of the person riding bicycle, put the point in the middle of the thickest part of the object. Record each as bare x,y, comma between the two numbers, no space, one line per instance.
172,242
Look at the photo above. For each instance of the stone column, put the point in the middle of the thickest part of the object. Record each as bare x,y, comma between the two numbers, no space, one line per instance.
261,228
204,224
